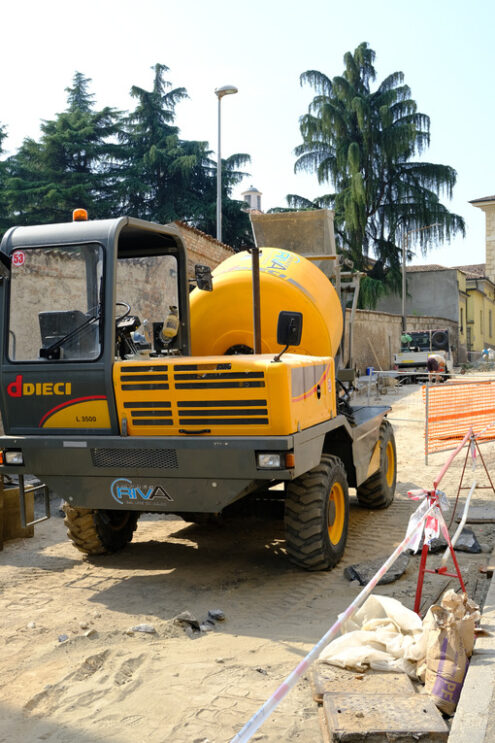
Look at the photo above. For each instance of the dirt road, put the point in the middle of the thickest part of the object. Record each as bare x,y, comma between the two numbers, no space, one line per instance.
108,683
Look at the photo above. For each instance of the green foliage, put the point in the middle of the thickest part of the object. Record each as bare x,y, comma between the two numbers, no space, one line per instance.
69,167
362,141
115,163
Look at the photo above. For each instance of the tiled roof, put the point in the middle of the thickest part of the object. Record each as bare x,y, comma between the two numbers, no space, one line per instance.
484,198
188,227
475,269
430,267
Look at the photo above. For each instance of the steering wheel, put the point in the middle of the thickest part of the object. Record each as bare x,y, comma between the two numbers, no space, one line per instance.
126,313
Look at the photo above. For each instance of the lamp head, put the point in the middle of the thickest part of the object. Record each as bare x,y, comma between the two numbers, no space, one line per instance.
225,90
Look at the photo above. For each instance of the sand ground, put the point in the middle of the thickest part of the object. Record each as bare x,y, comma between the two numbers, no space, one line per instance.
106,683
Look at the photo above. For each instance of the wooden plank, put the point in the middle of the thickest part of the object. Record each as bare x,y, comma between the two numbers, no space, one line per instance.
356,718
326,678
12,528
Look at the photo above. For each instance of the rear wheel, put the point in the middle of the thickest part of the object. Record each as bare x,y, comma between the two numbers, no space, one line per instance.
97,532
317,515
378,490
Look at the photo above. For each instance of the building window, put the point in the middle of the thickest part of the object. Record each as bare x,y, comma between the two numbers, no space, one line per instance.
461,323
490,323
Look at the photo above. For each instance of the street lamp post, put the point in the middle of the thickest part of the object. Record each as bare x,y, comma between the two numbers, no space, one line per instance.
220,92
405,241
404,254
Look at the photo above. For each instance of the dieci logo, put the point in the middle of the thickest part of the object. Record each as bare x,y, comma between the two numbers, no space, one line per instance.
124,490
20,389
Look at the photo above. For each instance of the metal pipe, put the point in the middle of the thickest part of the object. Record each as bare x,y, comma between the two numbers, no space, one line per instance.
220,92
404,255
255,257
219,174
22,501
461,523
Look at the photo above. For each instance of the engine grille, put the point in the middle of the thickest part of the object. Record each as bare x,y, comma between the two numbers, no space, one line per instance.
226,412
214,376
184,401
149,413
138,458
142,378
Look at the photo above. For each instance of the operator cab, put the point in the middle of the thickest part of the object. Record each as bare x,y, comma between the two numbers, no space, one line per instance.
60,307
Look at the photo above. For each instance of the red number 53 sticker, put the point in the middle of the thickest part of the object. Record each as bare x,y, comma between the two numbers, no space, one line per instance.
18,258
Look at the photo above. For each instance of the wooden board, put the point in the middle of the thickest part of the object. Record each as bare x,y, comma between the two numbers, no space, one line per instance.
326,678
12,528
363,718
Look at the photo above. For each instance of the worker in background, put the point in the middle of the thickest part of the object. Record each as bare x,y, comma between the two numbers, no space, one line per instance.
436,367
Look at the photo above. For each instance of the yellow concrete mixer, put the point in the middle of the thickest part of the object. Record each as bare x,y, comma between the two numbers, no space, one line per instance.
237,400
222,320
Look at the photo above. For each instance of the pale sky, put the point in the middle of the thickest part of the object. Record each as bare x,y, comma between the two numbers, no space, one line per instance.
444,48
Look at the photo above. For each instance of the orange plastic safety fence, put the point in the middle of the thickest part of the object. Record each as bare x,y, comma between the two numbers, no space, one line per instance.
456,406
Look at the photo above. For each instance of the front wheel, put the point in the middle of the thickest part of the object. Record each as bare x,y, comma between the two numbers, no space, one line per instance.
97,531
378,490
317,515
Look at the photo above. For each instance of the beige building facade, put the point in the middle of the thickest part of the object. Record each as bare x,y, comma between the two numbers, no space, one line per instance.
487,205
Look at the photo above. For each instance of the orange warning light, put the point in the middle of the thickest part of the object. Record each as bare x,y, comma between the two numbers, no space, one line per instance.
80,215
290,460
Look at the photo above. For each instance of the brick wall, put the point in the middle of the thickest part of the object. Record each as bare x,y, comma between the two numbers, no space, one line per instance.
202,248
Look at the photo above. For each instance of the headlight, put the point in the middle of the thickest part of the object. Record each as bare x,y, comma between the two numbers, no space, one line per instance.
14,457
269,461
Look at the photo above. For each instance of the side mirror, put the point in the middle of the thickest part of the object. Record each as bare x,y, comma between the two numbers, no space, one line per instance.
203,277
289,331
289,328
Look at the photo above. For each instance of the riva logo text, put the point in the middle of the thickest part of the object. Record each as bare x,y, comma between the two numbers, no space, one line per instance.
124,490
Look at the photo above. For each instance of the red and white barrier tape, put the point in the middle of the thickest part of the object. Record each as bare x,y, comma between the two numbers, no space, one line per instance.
265,711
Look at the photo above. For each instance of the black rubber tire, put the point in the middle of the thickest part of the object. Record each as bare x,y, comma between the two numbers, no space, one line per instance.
99,532
378,491
440,341
317,515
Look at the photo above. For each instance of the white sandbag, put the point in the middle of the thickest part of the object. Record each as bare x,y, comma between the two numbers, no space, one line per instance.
383,635
382,607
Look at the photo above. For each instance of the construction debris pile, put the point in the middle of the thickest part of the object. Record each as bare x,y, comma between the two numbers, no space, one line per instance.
384,635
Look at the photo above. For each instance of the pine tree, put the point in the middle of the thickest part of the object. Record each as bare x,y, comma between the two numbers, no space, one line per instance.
164,178
236,228
71,165
154,164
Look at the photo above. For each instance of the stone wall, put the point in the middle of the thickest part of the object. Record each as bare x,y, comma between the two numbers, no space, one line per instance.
376,336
